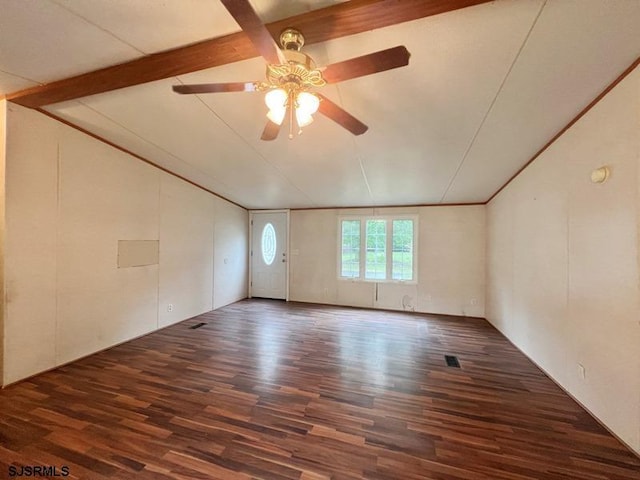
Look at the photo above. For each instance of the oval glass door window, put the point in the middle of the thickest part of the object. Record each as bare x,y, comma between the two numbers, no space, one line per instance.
268,244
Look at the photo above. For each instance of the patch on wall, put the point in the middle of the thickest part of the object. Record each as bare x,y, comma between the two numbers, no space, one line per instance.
407,304
138,253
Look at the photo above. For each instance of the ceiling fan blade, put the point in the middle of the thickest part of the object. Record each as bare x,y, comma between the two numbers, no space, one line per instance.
270,131
367,64
341,116
245,16
215,87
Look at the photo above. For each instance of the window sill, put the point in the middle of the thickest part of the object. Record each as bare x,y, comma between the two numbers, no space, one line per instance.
364,280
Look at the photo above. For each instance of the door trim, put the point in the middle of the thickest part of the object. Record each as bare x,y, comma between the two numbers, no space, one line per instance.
288,257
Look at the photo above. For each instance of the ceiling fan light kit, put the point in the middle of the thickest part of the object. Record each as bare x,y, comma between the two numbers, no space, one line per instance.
288,84
292,76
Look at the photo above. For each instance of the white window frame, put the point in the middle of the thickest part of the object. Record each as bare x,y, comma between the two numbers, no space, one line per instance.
388,251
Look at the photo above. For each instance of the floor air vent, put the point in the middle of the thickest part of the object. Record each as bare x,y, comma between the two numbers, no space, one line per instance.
197,325
452,361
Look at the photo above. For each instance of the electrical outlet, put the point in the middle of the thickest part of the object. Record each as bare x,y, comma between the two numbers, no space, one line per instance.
170,307
582,372
474,302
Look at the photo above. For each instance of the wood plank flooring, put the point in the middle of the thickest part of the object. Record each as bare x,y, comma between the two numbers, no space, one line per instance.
270,390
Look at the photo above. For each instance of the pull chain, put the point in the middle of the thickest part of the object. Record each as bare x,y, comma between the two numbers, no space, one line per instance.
291,108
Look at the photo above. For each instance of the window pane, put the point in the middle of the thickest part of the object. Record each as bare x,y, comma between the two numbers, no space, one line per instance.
350,265
268,244
376,258
402,261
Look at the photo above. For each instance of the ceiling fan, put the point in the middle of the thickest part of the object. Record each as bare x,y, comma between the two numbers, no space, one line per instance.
292,76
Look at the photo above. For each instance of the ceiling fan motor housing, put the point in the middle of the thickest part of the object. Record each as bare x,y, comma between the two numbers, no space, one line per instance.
300,69
291,39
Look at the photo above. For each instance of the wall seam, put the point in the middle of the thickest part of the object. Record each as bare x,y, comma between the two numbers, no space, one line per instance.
213,255
638,236
56,250
159,251
4,125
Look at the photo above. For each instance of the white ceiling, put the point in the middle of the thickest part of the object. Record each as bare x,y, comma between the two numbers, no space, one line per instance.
486,87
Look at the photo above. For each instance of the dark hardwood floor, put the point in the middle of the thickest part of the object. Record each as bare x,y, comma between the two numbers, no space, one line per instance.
270,390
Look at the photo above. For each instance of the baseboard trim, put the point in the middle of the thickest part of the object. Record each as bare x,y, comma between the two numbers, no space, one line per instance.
391,310
569,394
3,386
561,387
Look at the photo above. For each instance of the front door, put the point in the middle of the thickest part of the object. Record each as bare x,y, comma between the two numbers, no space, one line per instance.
269,254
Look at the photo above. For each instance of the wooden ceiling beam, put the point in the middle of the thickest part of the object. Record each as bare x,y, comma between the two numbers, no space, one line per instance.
321,25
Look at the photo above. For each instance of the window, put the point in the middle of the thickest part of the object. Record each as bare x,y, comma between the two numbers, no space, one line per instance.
268,244
388,245
402,250
350,249
376,264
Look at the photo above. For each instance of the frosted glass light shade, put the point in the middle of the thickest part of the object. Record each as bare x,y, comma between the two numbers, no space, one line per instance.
307,103
276,115
276,99
303,118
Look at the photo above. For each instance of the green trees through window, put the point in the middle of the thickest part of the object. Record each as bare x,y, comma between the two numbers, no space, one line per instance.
376,263
350,265
388,245
402,250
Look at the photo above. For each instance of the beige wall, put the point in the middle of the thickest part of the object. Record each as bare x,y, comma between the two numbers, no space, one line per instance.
230,253
186,253
562,261
70,199
451,261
